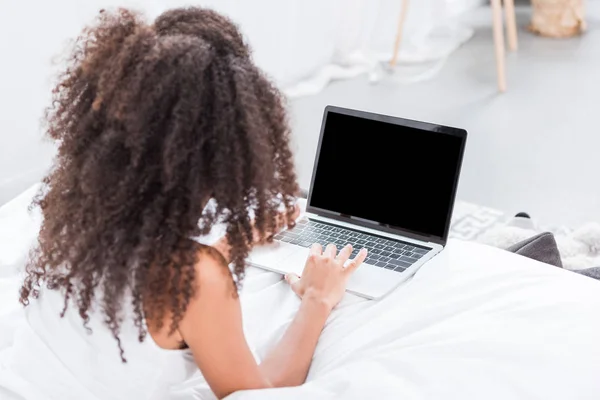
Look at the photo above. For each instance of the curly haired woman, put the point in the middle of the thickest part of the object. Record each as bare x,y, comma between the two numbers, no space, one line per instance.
152,122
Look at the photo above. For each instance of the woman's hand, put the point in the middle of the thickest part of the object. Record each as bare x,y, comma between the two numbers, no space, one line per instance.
222,245
325,276
281,222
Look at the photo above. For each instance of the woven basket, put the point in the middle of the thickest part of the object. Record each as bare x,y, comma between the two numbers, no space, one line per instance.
558,18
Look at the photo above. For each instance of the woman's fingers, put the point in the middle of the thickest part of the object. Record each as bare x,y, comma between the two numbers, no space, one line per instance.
330,251
296,213
283,220
294,281
316,249
356,262
291,278
345,253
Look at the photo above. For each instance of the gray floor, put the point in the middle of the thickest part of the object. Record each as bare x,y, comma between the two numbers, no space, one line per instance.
534,148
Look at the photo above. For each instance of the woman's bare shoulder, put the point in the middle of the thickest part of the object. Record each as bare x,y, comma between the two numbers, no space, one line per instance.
212,272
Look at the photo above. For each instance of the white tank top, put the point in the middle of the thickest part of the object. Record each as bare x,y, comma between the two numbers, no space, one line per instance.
56,358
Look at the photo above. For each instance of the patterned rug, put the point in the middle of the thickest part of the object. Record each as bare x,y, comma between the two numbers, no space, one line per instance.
470,221
579,247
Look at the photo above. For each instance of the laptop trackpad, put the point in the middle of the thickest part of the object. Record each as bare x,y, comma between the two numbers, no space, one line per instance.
373,282
369,281
271,255
295,262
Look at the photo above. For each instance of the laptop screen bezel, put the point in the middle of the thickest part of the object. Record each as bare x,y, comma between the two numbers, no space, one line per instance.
425,126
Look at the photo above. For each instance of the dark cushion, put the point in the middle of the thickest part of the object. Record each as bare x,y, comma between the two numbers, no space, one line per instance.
540,247
543,248
593,272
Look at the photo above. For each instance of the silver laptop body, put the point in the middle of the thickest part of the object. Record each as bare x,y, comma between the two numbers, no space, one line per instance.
380,182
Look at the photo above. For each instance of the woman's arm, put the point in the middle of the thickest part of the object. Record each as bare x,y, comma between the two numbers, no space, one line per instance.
321,287
212,325
288,363
212,328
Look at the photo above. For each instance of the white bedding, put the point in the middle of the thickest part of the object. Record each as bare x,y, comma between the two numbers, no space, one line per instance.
476,322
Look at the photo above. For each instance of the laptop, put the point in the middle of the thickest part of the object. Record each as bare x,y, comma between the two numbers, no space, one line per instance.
384,183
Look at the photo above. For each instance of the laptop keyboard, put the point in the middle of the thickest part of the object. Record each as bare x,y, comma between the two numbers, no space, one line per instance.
383,252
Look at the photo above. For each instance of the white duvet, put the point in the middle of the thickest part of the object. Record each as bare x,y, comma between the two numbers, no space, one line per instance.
474,323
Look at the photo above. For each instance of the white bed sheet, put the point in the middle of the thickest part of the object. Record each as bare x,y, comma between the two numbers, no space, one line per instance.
476,322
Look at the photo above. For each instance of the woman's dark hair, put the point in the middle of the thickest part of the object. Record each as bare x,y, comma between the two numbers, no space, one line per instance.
152,121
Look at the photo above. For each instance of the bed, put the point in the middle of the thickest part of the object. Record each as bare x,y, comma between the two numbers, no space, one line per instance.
476,322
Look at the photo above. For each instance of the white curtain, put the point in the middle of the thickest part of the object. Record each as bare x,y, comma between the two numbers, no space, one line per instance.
303,44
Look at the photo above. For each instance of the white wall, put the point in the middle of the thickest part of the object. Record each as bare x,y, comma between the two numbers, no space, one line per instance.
32,33
24,91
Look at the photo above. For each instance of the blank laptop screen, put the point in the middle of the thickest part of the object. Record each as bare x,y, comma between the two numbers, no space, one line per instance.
394,175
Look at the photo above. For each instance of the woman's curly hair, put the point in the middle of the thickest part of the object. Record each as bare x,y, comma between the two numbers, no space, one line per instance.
153,121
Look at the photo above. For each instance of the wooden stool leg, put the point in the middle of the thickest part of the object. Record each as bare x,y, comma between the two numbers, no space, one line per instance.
499,43
401,20
511,24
